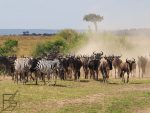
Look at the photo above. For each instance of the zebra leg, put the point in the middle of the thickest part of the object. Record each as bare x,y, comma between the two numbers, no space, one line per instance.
36,78
55,80
43,78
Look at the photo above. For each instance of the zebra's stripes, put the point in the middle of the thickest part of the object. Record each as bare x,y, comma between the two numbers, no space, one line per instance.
48,67
22,67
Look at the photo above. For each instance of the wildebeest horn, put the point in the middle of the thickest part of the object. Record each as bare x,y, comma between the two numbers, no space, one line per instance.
101,52
94,52
134,59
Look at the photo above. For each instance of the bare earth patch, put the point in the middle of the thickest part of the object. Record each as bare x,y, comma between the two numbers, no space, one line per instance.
146,110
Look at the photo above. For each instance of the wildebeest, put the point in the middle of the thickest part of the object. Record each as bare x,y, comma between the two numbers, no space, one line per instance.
77,67
133,72
142,62
105,67
70,70
63,70
7,64
94,64
126,67
116,64
85,66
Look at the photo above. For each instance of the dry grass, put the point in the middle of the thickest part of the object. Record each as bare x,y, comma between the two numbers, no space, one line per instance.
27,43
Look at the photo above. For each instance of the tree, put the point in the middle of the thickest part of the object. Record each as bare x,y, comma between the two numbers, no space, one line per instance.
93,18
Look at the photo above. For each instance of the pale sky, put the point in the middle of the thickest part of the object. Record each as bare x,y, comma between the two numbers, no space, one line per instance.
60,14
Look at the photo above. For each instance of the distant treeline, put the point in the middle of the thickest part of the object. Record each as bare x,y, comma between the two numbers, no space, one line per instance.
27,33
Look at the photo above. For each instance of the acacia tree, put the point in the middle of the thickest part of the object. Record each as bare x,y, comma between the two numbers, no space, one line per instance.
94,18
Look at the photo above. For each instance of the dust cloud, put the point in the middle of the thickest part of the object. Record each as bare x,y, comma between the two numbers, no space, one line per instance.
111,44
129,46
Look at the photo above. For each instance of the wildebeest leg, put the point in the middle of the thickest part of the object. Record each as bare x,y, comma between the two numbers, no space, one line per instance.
121,74
115,72
85,74
103,75
91,73
75,75
26,76
78,74
23,78
127,77
139,72
16,77
123,79
103,71
12,76
96,75
143,72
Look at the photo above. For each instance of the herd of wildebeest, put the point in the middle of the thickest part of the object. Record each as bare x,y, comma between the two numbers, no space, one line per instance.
56,66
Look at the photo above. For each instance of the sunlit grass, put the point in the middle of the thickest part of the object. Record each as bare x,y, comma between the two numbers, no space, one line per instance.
27,44
86,96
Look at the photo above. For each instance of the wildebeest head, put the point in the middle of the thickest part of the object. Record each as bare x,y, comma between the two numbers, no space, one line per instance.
109,61
33,63
117,61
130,63
71,61
6,63
98,55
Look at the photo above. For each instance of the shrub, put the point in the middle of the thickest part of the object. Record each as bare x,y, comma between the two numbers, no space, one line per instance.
48,47
9,47
68,34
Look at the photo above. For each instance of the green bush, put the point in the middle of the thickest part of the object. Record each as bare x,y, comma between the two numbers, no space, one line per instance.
48,47
9,47
69,40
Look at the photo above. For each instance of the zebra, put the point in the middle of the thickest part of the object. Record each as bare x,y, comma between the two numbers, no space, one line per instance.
47,67
22,67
